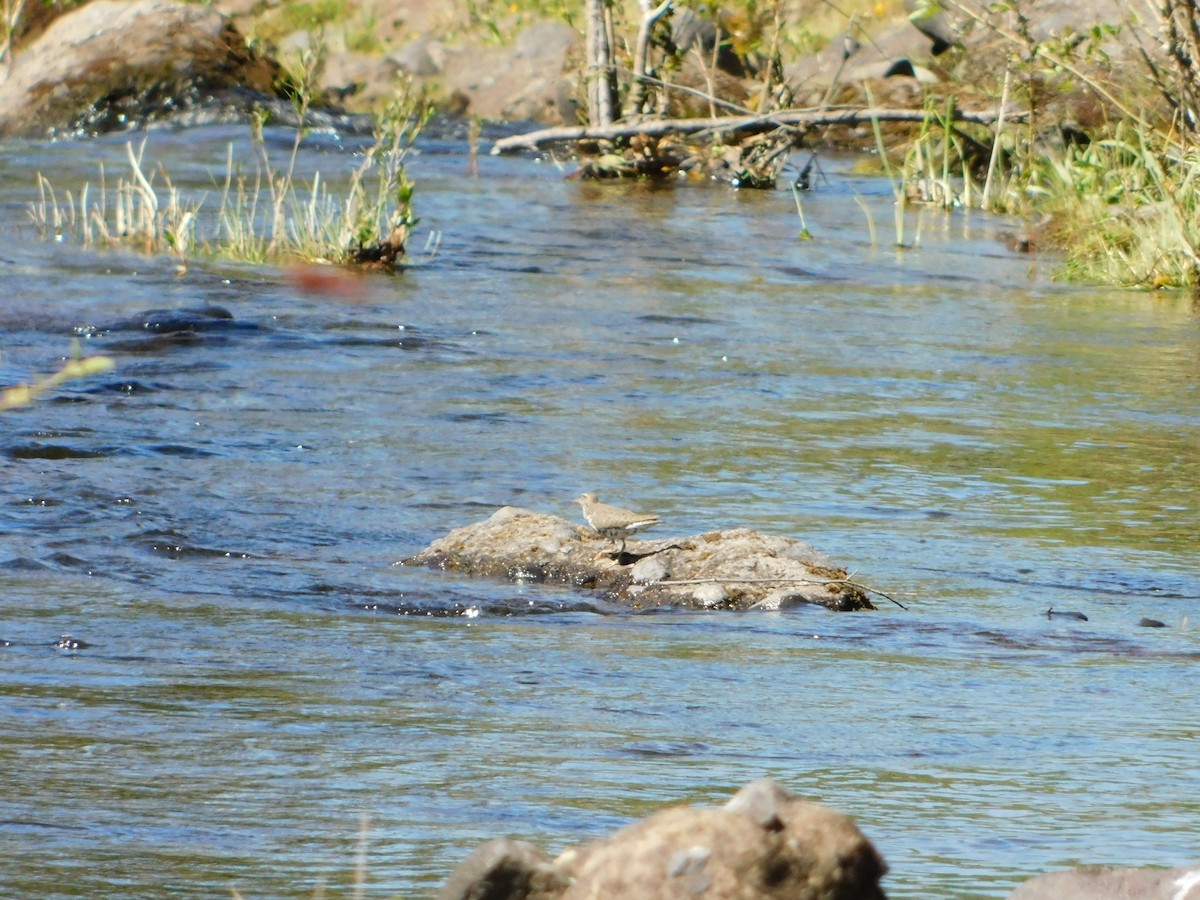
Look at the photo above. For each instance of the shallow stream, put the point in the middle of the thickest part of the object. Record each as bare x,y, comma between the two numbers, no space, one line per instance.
257,691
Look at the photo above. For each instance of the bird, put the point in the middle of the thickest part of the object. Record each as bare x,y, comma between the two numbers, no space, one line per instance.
613,522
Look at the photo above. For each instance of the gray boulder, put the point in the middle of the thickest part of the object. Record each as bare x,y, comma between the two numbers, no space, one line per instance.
504,869
735,569
1100,883
111,64
764,844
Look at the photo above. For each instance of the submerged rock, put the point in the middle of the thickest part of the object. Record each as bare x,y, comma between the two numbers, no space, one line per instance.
735,569
112,65
504,868
764,843
1102,883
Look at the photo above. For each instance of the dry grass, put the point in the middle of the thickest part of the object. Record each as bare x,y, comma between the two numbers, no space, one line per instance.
74,367
262,215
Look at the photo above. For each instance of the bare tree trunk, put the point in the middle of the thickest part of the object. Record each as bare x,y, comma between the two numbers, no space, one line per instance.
601,66
641,56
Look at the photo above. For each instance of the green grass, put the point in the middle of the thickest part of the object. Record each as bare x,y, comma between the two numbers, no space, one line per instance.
1122,208
263,214
1126,209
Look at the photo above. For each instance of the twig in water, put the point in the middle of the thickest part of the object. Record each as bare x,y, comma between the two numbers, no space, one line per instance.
805,234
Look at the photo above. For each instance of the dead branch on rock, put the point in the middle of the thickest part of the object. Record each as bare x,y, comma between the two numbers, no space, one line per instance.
742,125
846,581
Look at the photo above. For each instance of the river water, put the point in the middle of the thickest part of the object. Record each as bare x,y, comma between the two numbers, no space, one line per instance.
254,696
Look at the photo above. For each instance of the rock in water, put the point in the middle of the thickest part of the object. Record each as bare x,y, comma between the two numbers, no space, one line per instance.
504,869
735,569
764,844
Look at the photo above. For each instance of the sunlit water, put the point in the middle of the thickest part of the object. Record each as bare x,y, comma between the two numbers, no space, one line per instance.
261,692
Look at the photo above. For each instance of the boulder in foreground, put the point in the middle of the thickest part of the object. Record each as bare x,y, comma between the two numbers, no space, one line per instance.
764,844
735,569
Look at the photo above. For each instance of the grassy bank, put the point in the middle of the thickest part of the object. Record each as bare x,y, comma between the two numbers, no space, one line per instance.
1098,160
1118,197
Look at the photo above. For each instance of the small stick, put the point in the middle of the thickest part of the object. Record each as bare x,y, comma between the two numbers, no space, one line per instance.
846,581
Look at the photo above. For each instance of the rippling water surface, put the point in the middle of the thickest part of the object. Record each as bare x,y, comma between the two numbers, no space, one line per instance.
256,693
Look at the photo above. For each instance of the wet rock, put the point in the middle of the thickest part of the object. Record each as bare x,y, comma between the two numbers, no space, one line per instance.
745,565
111,65
66,642
504,869
154,330
1101,883
1151,623
763,844
208,317
710,595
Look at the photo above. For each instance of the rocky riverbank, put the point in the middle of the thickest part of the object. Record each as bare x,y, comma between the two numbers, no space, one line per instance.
114,63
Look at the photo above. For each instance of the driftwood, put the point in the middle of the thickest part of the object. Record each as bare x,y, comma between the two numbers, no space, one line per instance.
753,124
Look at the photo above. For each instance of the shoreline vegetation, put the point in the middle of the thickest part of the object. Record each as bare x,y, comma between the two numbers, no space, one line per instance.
264,215
1086,138
1118,198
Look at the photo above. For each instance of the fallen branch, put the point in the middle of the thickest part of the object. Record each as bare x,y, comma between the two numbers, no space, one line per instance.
845,581
802,118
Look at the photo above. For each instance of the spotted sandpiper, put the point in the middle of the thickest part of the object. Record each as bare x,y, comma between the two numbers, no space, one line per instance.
613,522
